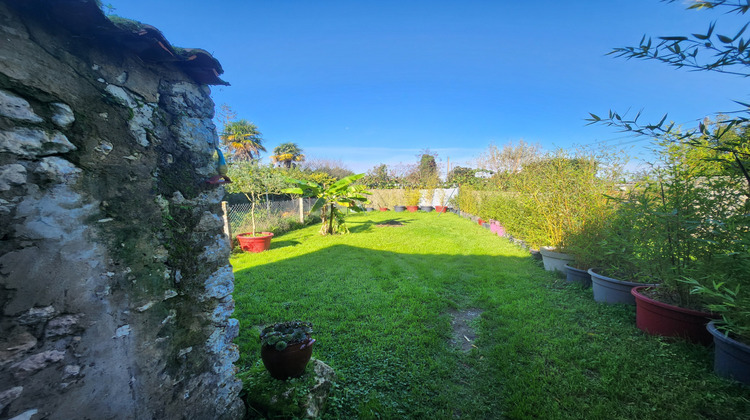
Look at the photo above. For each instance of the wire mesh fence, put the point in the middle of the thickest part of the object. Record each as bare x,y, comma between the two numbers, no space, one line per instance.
269,215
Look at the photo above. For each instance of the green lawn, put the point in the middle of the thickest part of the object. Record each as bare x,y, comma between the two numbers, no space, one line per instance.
381,300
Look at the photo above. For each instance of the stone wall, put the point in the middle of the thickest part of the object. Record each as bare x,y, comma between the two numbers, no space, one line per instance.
115,286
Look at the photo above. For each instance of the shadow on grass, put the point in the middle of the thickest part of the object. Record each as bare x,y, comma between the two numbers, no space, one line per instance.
367,225
384,317
283,244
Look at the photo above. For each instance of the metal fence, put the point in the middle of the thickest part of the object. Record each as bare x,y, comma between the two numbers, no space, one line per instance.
269,215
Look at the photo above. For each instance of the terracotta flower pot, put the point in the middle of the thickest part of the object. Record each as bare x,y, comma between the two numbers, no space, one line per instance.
259,243
441,209
659,318
412,209
383,209
731,357
287,363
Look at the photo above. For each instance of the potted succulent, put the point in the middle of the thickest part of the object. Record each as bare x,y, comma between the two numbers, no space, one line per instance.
286,347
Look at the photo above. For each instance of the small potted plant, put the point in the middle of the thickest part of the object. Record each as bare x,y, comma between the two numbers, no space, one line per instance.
412,196
441,199
286,347
254,181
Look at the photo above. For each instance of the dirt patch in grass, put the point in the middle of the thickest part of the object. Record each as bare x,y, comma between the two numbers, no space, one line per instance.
390,223
464,333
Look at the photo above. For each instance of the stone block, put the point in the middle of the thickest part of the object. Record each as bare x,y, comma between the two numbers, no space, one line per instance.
17,108
62,115
32,142
12,175
36,362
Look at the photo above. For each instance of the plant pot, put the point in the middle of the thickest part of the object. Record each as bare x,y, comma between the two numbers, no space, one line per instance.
486,226
369,209
731,357
659,318
287,363
554,261
399,208
575,275
497,228
427,208
609,290
259,243
383,209
412,209
480,221
441,209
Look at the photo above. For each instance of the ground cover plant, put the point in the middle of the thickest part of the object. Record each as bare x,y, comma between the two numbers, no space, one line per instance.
387,303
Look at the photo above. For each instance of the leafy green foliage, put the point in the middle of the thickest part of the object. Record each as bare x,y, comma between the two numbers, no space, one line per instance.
342,193
243,139
254,180
379,177
707,240
287,154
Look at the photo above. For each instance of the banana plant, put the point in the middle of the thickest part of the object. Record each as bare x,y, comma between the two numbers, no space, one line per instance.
330,198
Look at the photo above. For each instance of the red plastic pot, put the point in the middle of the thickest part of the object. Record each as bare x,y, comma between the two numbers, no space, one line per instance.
412,209
259,243
480,221
441,209
383,208
287,363
659,318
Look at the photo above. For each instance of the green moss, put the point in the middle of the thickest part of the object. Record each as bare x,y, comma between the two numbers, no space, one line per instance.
273,398
126,24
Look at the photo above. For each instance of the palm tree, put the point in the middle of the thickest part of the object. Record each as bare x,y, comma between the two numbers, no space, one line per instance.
287,154
243,140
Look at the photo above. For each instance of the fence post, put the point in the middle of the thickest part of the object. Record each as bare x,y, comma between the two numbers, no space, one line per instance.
301,210
227,227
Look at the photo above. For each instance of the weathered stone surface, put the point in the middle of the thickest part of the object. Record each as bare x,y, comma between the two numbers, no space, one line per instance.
217,251
220,284
51,215
141,112
37,362
324,379
12,175
17,108
57,169
26,415
129,287
104,147
15,344
33,142
62,115
36,315
7,396
189,98
209,222
62,325
223,310
197,134
71,371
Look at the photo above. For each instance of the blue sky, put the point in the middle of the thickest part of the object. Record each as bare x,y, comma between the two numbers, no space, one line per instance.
369,82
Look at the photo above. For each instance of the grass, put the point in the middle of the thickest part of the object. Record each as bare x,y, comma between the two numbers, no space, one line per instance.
381,300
